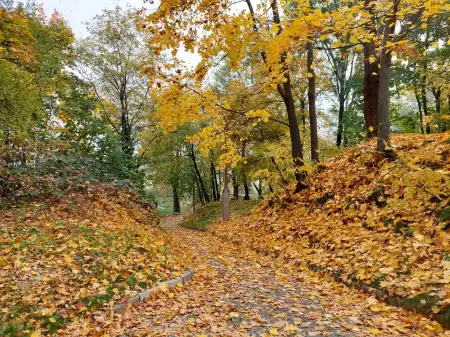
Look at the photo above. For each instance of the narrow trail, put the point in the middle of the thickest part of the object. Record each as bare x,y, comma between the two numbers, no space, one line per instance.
237,292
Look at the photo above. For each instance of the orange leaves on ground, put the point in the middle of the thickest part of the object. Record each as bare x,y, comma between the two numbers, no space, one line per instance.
369,219
65,259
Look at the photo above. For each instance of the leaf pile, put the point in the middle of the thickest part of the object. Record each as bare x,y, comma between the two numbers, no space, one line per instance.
66,261
377,221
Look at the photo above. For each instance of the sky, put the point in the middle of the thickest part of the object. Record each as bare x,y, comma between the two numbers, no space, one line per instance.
78,11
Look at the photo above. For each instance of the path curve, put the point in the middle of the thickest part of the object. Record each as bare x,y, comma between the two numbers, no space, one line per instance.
237,293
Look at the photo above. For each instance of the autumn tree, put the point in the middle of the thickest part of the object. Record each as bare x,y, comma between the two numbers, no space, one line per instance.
35,50
235,35
110,59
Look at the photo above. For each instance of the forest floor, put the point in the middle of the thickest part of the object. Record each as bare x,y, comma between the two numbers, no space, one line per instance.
238,292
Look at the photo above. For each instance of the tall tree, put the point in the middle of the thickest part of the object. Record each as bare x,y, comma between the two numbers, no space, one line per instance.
110,58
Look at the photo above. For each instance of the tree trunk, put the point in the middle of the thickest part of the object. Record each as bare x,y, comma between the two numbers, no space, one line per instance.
419,105
371,81
200,195
199,176
213,184
285,91
425,101
216,183
312,103
340,119
437,97
176,200
246,190
259,188
384,132
193,195
303,113
235,183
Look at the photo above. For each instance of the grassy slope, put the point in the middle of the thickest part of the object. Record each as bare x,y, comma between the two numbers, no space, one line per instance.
367,220
210,212
65,257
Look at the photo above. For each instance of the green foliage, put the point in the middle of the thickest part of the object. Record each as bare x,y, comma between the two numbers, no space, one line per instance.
211,212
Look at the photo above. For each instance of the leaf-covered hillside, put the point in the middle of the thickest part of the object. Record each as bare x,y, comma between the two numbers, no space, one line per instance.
376,221
64,261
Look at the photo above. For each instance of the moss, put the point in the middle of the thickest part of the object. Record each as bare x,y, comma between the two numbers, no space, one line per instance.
444,214
211,212
378,196
443,317
421,303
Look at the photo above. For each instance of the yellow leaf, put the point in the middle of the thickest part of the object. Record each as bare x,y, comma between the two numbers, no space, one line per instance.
291,328
375,331
434,326
273,331
36,334
401,328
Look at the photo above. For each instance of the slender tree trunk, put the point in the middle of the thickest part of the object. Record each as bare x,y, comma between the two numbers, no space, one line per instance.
235,183
425,103
176,200
200,195
340,120
246,190
303,113
193,195
259,188
437,96
419,105
312,103
216,183
213,185
371,81
199,176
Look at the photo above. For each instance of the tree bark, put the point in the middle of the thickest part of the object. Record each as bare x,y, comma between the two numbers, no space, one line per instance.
384,132
259,188
199,177
200,195
176,200
235,183
213,184
425,103
246,190
437,97
303,113
371,82
419,105
340,120
285,91
312,103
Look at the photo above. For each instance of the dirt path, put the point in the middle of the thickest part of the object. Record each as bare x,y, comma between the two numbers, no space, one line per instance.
240,293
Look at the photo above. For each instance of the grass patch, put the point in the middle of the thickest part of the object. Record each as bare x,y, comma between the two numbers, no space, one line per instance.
210,212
